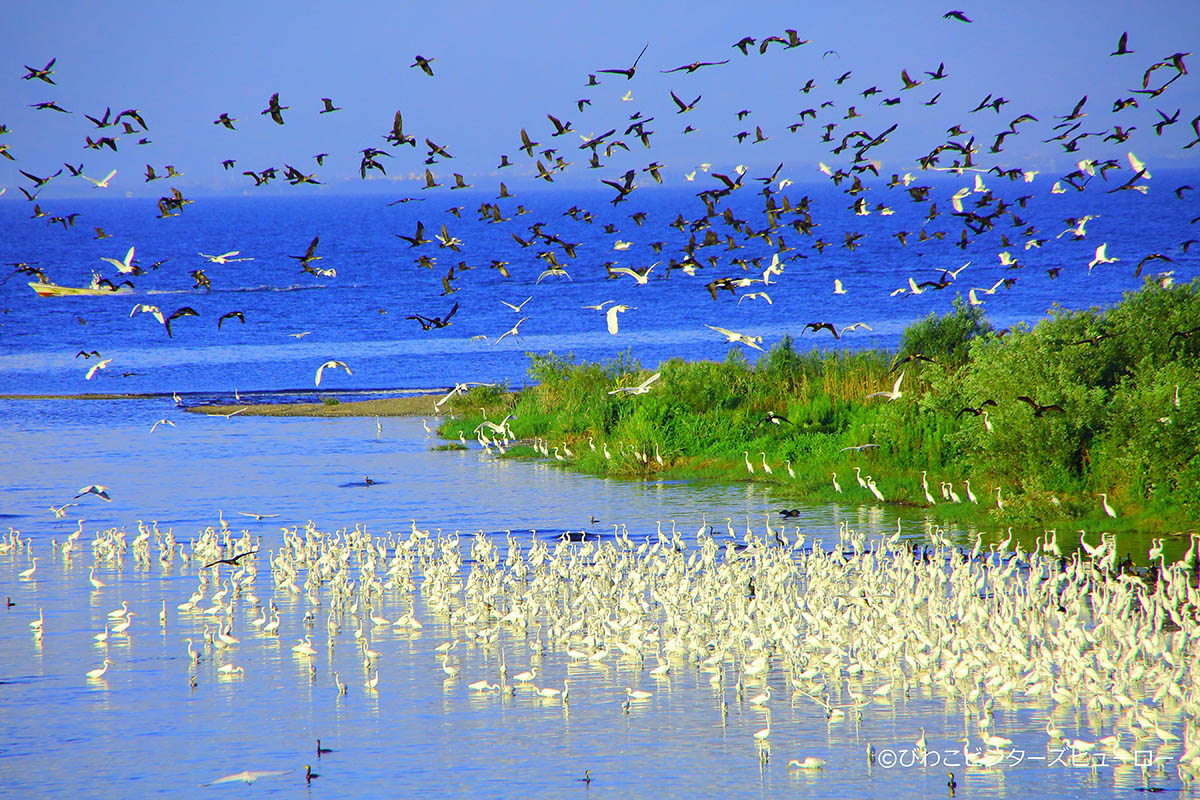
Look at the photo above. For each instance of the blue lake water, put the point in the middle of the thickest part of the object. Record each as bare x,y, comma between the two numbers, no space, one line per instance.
143,730
359,316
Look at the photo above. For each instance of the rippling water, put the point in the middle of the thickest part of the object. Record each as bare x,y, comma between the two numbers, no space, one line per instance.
143,730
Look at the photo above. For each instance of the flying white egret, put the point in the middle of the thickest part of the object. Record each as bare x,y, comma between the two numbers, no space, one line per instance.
125,265
641,388
1101,257
104,183
225,258
517,308
96,489
894,394
511,331
99,365
331,365
611,316
733,337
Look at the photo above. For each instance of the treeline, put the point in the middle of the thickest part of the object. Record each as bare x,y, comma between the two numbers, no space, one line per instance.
1084,402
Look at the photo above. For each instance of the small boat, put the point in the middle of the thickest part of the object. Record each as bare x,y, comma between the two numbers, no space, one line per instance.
96,288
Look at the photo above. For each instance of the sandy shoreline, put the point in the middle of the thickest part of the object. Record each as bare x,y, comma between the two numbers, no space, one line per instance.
411,406
416,405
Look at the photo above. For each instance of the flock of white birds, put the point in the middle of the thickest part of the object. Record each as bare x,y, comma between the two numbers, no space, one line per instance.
849,631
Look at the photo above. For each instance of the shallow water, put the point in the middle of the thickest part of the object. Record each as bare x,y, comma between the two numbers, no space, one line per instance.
143,731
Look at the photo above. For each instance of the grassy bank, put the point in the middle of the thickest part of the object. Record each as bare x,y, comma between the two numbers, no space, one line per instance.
1115,409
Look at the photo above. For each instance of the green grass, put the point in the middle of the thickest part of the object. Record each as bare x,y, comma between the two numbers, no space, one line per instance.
1121,431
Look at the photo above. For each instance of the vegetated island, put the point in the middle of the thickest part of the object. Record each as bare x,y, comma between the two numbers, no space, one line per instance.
1083,414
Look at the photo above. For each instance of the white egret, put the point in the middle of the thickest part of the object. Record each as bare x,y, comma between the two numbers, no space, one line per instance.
95,674
332,364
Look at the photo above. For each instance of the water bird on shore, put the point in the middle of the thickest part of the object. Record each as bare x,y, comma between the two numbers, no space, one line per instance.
1106,507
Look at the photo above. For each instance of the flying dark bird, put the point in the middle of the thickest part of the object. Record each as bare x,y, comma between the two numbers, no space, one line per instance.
429,323
396,136
958,15
436,149
42,74
275,110
310,253
134,115
416,239
225,120
423,63
39,182
186,311
628,73
202,281
329,106
977,410
1122,46
720,283
295,177
744,44
907,359
102,122
50,106
684,107
1039,410
1171,120
88,354
817,326
230,315
233,560
559,127
695,65
775,419
1151,257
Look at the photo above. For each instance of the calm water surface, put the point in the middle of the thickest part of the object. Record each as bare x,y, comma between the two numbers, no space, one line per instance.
144,731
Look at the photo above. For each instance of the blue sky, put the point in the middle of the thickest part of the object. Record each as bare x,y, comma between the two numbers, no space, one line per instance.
500,67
